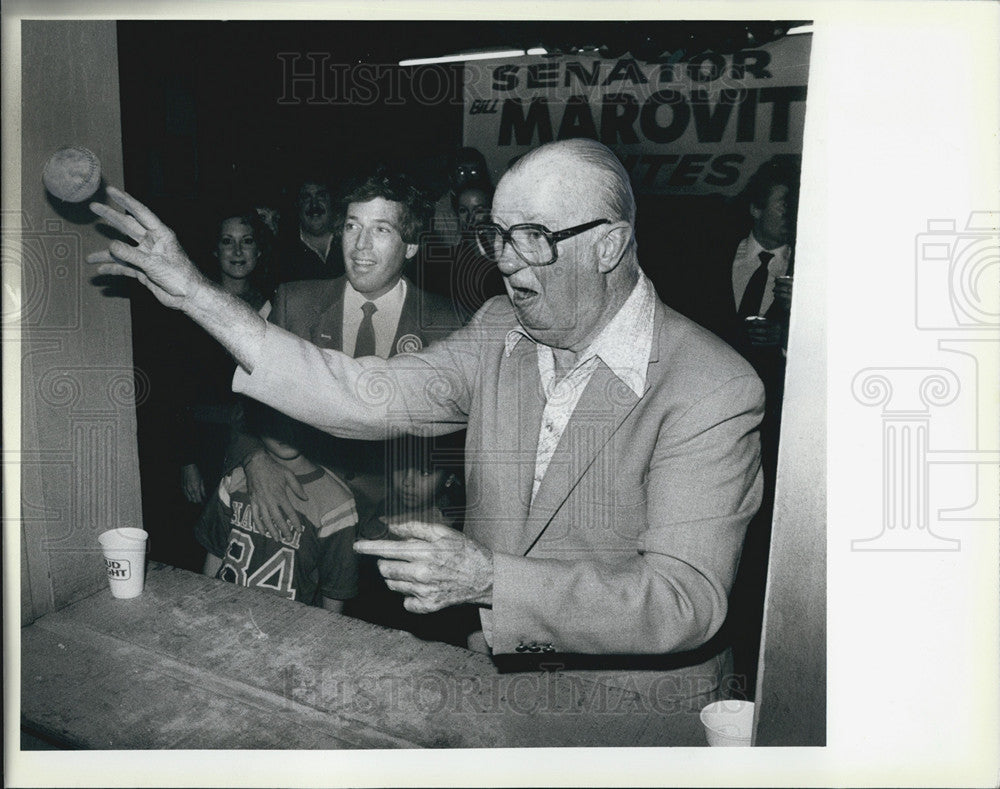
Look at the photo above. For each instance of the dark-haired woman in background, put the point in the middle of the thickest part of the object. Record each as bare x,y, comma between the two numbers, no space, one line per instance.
239,263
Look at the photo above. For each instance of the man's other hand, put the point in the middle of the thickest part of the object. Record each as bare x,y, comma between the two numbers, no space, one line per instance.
783,292
192,484
433,566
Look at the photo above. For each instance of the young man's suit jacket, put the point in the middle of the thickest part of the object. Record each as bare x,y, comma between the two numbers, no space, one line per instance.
314,310
629,549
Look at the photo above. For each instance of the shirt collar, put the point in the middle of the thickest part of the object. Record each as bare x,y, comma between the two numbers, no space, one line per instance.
754,248
393,299
329,243
623,344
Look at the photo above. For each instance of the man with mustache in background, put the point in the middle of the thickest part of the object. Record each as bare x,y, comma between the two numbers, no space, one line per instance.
312,252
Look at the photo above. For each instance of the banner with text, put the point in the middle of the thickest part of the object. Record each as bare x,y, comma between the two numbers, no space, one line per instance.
697,126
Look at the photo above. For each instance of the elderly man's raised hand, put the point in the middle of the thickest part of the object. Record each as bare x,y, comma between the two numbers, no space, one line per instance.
433,566
156,260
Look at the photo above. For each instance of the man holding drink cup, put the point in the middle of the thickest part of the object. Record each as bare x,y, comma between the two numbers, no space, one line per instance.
745,298
761,269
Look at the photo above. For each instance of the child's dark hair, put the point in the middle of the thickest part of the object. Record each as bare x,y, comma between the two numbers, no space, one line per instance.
262,420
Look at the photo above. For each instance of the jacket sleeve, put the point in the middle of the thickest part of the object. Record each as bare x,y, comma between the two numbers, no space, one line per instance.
670,593
427,392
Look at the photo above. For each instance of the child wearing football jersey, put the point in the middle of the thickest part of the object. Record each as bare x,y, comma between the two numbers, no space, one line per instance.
316,564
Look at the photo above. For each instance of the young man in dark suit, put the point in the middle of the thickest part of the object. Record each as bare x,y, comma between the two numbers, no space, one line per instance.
373,310
743,279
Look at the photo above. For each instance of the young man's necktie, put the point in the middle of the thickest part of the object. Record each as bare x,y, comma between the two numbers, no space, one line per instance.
365,344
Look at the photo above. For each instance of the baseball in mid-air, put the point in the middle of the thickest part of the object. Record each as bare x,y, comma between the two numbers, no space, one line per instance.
72,174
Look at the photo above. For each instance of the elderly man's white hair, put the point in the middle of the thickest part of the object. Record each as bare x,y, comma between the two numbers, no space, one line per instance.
614,188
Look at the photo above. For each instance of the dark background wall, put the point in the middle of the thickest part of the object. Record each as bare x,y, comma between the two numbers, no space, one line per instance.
218,109
201,119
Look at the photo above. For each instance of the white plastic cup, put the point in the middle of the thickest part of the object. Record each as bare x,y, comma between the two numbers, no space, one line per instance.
728,723
125,560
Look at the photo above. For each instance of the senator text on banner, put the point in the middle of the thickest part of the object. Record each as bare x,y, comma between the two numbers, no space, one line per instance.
699,125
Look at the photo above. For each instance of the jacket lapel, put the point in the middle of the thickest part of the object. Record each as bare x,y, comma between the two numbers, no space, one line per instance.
603,406
328,328
516,422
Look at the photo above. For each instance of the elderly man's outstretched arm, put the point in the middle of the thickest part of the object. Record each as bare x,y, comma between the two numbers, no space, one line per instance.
357,396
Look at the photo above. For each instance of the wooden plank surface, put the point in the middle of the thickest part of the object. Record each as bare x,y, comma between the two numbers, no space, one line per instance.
198,663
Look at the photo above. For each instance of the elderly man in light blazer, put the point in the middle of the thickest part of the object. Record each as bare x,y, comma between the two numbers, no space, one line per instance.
612,454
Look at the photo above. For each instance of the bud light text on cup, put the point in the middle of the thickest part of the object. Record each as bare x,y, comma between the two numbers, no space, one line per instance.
118,569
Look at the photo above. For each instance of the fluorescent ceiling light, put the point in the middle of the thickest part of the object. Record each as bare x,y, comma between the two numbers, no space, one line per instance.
537,51
462,56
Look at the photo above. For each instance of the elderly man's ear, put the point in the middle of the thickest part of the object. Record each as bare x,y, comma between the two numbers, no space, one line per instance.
611,248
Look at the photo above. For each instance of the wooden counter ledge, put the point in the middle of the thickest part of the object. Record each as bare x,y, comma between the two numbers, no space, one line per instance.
198,663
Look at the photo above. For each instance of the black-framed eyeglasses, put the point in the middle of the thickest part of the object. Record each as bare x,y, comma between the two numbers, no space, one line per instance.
534,244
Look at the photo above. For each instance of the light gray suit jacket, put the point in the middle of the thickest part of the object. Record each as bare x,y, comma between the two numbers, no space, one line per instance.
631,544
